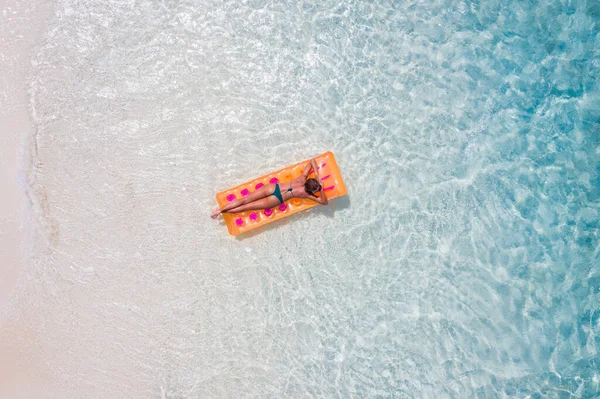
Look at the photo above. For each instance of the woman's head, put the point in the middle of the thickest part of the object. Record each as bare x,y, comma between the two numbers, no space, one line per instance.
312,186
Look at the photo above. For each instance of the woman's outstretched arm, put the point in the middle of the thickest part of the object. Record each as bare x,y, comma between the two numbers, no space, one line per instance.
324,200
307,169
313,163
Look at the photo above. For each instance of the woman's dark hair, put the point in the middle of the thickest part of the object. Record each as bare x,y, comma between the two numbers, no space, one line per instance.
312,186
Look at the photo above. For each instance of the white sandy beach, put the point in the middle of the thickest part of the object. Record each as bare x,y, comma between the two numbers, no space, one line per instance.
22,23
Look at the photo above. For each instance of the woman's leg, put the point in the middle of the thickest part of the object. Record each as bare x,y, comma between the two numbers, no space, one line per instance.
263,203
262,192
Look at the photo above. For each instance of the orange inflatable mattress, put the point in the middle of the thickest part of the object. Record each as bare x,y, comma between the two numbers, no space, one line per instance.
238,223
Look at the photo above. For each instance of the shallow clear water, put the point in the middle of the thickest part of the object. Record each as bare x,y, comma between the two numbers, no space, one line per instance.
463,263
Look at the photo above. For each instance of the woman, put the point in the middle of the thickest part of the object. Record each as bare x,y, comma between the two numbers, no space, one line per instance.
271,195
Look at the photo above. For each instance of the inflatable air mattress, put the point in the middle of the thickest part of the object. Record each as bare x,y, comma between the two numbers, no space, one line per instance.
238,223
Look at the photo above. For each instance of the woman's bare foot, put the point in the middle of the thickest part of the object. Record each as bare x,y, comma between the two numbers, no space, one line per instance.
215,214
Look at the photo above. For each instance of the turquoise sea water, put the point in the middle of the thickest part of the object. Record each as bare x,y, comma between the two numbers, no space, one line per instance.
463,263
